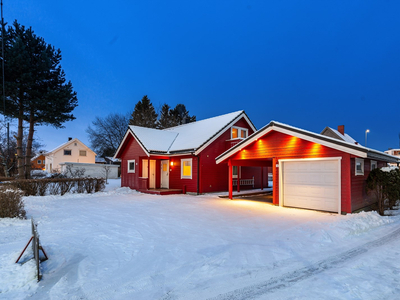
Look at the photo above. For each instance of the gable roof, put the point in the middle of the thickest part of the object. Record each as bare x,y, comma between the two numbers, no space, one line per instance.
329,131
187,138
327,141
75,140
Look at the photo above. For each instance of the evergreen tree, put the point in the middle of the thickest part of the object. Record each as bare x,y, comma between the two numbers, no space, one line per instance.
166,119
36,88
181,116
144,114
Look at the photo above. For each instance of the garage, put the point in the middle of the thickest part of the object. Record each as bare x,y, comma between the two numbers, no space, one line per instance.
310,183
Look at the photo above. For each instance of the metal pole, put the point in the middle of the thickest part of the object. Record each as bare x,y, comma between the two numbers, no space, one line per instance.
366,132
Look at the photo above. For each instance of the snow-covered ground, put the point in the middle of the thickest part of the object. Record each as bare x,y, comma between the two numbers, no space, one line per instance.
120,244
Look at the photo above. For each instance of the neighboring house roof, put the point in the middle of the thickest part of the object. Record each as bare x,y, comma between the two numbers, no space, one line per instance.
327,141
114,160
37,156
75,140
100,160
191,137
328,131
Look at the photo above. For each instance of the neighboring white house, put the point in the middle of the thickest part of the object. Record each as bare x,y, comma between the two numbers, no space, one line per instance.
394,152
72,151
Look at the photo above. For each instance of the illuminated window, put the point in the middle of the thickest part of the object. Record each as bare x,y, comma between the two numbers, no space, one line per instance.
238,133
359,166
186,168
374,164
145,168
131,166
82,152
67,152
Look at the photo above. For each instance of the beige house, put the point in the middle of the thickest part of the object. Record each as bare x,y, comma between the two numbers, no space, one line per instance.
72,151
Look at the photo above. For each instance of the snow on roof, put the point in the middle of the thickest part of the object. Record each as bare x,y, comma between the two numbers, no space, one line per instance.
345,137
189,136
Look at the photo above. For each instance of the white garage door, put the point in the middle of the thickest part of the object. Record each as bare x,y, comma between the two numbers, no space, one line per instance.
313,184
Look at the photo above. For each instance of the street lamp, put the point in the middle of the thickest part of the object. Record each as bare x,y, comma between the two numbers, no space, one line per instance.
366,132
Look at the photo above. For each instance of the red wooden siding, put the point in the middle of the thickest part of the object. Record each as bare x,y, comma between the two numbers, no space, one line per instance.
175,180
214,177
359,196
131,151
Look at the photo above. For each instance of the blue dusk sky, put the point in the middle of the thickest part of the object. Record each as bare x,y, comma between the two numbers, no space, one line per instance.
309,64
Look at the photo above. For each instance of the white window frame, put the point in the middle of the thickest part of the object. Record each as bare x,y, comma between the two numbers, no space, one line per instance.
129,163
361,161
69,151
183,160
82,151
39,161
239,129
374,162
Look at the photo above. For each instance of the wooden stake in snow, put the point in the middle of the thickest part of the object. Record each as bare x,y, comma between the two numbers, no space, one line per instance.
35,248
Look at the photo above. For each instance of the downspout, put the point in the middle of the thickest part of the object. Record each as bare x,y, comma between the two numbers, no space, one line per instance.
198,175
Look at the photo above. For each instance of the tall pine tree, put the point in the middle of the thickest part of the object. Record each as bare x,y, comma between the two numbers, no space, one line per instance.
36,88
181,116
144,114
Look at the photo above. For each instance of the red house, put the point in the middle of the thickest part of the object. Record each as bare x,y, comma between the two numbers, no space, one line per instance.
315,171
182,158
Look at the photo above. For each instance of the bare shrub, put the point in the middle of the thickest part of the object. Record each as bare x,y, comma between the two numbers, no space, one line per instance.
100,184
11,204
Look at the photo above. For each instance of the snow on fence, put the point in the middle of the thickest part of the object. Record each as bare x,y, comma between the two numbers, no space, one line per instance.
91,170
35,249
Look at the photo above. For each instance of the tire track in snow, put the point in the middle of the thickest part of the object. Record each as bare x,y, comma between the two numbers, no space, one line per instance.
291,278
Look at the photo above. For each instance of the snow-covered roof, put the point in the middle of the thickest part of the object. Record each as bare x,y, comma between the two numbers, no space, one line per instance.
342,145
187,137
345,137
100,160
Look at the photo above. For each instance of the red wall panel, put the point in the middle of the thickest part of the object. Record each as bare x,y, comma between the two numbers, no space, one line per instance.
131,151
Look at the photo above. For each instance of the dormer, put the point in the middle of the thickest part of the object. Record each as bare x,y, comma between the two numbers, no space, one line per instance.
239,132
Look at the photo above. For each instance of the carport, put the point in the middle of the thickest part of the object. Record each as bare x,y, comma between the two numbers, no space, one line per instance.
309,170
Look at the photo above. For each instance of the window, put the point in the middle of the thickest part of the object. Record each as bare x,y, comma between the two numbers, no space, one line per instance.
235,171
238,133
131,166
374,164
67,152
186,168
359,166
145,168
39,162
43,162
396,152
82,152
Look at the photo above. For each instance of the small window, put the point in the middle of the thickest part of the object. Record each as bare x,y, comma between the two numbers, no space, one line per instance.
374,164
238,132
131,166
43,162
186,168
145,168
67,152
359,166
75,144
39,162
82,152
235,171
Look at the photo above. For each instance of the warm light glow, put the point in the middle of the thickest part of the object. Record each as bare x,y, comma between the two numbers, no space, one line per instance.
316,148
172,163
367,130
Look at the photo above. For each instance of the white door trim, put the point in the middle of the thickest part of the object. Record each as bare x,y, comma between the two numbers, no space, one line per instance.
338,159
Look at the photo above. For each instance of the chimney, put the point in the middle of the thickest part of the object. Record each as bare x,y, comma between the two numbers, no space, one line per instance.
340,128
70,138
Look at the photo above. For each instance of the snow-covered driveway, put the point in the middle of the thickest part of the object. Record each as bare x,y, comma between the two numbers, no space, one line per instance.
124,245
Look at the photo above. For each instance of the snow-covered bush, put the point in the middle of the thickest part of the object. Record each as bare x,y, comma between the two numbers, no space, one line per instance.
11,204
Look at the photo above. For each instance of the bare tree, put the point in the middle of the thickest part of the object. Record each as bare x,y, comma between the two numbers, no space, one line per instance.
107,133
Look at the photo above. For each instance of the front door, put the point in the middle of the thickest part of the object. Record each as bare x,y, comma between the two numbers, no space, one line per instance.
165,174
152,175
